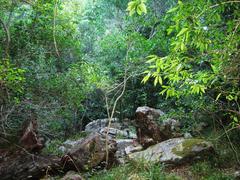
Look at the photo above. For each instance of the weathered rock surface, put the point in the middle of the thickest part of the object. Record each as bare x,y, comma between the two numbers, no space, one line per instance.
133,148
118,133
90,152
175,151
30,139
67,145
98,124
147,127
124,147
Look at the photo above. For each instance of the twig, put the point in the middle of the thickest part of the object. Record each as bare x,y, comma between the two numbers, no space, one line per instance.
120,84
231,144
227,131
54,28
68,158
227,2
112,114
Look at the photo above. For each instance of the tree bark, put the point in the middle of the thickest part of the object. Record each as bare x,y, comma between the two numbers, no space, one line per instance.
28,166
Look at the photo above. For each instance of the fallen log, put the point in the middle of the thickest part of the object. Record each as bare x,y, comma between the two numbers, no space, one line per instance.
24,165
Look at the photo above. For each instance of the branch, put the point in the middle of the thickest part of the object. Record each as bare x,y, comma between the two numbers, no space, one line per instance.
233,111
227,2
230,142
115,104
8,38
54,28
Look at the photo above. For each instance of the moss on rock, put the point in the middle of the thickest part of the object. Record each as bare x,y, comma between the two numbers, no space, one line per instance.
185,148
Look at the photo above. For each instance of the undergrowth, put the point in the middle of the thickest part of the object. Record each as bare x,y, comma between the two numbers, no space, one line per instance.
135,171
149,171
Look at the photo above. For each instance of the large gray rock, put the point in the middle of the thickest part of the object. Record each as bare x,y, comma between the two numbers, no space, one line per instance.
98,124
175,151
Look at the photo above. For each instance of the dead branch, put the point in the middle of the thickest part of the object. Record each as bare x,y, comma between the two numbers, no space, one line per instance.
8,38
54,28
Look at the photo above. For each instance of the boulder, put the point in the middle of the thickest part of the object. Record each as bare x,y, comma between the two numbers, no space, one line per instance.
30,139
150,130
118,133
147,127
175,151
98,124
90,152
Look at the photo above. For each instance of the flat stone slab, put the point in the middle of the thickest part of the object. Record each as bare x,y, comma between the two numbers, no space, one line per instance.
175,151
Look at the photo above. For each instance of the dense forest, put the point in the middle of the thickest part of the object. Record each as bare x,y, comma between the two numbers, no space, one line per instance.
119,89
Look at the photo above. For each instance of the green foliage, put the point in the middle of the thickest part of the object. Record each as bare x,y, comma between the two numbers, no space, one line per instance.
204,170
137,6
141,170
53,148
11,82
78,136
135,170
201,56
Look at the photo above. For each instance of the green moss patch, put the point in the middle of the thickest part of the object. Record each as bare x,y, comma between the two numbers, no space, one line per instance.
185,148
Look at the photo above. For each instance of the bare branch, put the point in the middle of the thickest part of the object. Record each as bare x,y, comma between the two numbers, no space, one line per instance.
8,38
54,28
